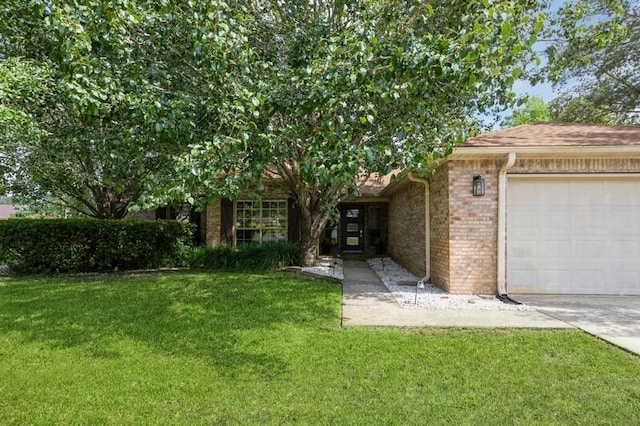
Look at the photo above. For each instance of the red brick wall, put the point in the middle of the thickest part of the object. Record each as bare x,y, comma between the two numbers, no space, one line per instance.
406,228
473,227
439,218
212,221
464,231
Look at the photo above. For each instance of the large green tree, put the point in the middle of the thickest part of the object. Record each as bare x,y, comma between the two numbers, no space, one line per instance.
17,80
129,85
316,93
342,89
534,110
594,53
580,109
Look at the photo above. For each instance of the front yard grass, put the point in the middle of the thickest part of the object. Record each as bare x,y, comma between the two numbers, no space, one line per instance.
187,348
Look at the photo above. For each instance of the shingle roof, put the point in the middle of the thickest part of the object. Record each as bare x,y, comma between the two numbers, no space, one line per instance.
373,184
558,134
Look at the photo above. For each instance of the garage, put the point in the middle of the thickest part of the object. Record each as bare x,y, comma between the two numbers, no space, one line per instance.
573,234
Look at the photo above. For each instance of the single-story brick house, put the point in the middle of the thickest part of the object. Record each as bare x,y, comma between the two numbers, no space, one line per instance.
556,210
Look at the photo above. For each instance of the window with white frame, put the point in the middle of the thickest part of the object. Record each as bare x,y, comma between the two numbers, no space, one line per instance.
261,221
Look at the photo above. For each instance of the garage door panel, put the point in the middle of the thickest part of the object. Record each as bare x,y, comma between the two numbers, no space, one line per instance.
587,194
554,220
556,279
526,218
573,235
621,193
556,249
523,250
557,195
519,276
591,280
618,215
588,249
526,196
624,279
632,226
582,220
622,249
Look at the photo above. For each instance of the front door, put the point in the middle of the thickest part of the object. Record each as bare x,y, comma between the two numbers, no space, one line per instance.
352,224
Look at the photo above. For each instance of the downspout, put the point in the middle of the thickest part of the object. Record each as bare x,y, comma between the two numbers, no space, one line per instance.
427,228
502,221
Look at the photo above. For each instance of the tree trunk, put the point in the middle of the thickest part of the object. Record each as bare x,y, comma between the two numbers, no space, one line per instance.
312,224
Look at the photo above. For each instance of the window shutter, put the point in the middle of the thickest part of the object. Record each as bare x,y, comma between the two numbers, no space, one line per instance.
226,221
293,221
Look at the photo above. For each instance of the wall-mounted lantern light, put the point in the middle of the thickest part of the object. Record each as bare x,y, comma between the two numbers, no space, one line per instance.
478,186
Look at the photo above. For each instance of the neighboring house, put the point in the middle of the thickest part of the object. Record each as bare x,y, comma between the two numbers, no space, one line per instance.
560,213
6,210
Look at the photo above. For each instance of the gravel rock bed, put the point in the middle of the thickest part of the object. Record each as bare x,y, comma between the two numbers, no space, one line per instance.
326,267
431,297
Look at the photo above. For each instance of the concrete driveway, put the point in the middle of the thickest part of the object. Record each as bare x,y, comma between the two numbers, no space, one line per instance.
615,319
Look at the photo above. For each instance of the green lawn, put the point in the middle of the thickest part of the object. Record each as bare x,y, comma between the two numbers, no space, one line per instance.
194,349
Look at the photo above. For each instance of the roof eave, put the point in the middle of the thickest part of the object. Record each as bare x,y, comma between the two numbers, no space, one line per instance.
575,151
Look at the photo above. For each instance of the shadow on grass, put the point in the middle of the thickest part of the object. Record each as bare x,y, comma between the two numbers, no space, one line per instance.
182,314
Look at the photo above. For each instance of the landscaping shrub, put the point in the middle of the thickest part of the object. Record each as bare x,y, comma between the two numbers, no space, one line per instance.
218,258
252,257
90,245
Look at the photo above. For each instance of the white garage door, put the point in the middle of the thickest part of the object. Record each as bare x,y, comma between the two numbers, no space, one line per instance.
573,235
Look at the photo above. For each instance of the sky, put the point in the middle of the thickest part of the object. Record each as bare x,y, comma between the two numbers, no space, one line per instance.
545,91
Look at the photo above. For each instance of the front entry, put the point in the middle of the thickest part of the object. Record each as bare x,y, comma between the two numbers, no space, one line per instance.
352,224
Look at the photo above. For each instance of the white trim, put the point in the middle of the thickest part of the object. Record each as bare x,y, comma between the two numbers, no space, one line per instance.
502,223
576,150
599,175
427,226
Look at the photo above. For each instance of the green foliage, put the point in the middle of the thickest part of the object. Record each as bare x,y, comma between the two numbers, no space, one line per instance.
252,257
88,245
47,208
222,257
40,211
173,98
18,80
338,90
595,52
580,109
99,98
534,110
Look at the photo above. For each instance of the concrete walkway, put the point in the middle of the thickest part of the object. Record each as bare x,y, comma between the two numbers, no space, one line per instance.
367,302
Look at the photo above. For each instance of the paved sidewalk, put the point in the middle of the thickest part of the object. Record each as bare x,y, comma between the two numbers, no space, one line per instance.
367,302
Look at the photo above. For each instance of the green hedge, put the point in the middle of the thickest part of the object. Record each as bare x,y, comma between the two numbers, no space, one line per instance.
90,245
252,257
